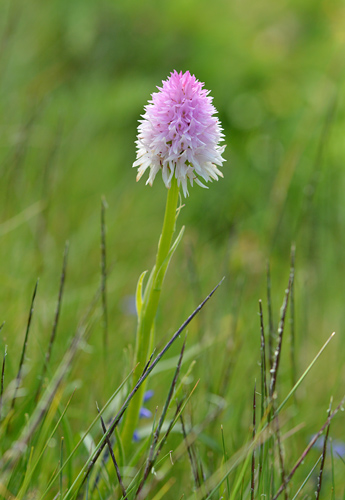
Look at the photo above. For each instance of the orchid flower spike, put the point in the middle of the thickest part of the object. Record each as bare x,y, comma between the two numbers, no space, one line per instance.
179,134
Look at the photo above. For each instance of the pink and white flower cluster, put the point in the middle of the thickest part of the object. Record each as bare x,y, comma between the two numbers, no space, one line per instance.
179,134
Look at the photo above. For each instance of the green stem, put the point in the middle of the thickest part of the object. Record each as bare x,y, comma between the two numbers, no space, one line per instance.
145,328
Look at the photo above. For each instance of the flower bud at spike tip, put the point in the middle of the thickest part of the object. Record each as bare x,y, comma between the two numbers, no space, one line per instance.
179,134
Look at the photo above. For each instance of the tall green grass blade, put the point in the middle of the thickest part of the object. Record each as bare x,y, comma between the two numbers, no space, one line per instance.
323,457
104,206
22,357
56,321
292,318
61,469
306,479
333,477
2,379
225,459
304,374
270,316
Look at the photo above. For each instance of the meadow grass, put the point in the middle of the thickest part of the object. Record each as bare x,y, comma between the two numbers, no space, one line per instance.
244,390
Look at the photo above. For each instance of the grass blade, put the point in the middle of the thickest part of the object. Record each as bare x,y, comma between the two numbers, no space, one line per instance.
111,451
307,449
270,317
275,367
22,357
2,379
56,321
323,457
252,482
104,277
304,374
292,318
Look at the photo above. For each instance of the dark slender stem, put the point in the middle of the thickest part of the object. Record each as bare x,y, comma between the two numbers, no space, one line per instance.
192,458
263,384
56,321
104,277
112,454
225,455
270,317
280,453
292,318
171,425
2,380
263,362
324,449
307,449
274,369
252,482
19,374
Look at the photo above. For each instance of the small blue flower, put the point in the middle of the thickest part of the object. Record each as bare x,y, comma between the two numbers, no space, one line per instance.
337,446
144,413
148,395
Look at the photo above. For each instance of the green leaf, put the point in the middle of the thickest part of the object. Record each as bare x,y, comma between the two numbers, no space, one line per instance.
165,264
139,293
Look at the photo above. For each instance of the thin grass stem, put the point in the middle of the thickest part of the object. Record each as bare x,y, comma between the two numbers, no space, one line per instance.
225,458
61,467
292,318
2,379
263,373
25,343
280,453
304,374
252,481
307,449
333,478
112,454
56,321
104,206
306,479
277,353
191,456
263,362
270,317
323,456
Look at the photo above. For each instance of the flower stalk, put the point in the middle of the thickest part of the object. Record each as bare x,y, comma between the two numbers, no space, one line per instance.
147,308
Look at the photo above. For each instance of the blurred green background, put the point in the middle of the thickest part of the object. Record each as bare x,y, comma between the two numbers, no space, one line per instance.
75,77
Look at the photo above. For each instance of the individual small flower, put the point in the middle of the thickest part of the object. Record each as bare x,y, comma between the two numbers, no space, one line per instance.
337,446
148,395
179,134
143,413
